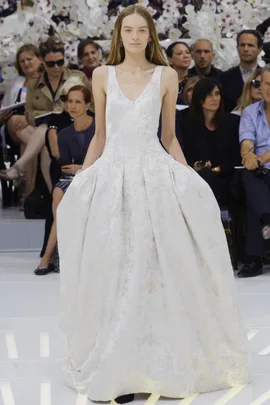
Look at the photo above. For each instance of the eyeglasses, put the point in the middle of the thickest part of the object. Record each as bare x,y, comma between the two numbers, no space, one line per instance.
256,83
52,63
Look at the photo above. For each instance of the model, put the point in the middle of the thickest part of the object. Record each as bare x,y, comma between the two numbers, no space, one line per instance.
148,298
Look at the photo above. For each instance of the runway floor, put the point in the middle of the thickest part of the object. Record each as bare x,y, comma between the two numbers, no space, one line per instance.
31,347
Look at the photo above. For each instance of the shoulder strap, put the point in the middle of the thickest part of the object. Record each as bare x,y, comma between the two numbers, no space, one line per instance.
111,78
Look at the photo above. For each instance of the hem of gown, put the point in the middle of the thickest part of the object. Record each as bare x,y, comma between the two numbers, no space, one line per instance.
163,392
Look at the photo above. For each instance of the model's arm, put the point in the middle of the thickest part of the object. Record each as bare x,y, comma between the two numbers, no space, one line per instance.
99,84
170,92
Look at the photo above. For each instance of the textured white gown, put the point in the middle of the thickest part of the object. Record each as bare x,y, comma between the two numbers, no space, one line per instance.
148,298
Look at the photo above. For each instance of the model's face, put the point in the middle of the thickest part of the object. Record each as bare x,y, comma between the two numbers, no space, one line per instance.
255,89
203,54
76,105
54,64
181,57
248,48
135,34
90,57
29,63
212,101
265,80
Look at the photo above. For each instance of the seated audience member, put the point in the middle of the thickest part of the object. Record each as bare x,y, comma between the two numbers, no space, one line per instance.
203,56
179,57
28,65
55,125
90,56
210,139
249,46
181,112
43,97
254,137
251,93
73,143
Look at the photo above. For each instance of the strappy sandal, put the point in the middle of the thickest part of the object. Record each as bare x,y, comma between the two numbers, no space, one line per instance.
18,178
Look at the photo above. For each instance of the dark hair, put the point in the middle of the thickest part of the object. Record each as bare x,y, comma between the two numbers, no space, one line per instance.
202,89
86,93
51,45
25,48
83,43
256,34
169,50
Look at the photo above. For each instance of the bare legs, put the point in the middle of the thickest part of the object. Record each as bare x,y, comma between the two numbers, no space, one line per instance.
52,241
21,133
34,139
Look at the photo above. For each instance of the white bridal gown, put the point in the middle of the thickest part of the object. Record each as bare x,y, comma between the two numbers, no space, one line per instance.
148,298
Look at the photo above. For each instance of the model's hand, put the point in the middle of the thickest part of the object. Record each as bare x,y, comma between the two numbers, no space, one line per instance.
71,169
250,161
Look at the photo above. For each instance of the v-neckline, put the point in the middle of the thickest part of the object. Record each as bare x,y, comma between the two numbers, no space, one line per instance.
140,95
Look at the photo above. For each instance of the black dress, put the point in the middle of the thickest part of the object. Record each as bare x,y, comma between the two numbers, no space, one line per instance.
220,147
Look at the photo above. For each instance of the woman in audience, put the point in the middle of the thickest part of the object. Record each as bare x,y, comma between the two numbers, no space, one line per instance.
179,57
251,92
28,65
55,125
89,55
43,96
73,143
211,144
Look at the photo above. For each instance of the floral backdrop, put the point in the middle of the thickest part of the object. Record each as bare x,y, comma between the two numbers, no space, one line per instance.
217,20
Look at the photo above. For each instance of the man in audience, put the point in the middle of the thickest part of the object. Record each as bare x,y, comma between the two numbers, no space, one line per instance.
203,55
255,152
249,46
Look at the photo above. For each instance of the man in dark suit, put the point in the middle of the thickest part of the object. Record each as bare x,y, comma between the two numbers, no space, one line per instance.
203,55
249,46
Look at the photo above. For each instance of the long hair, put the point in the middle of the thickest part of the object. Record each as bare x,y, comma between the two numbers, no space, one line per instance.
153,52
202,89
245,99
190,84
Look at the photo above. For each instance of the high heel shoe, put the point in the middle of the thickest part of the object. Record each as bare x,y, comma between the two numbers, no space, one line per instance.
18,178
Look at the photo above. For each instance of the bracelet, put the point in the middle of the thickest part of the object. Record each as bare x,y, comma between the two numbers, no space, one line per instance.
53,127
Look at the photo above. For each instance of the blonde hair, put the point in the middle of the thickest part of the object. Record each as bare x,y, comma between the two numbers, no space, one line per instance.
153,52
245,100
190,83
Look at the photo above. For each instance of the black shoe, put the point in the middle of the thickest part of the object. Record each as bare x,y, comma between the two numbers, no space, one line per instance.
124,399
252,269
44,271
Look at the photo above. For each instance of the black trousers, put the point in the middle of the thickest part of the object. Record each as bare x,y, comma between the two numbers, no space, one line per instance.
257,194
220,185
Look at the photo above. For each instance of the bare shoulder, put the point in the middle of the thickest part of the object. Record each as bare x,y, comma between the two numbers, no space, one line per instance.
101,72
169,73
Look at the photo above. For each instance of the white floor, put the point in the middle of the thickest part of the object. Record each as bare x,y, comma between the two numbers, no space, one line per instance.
31,347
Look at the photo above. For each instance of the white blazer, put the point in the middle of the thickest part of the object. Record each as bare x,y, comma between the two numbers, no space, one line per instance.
12,90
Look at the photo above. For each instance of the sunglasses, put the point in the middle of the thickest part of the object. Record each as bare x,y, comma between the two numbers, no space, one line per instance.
256,83
52,63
